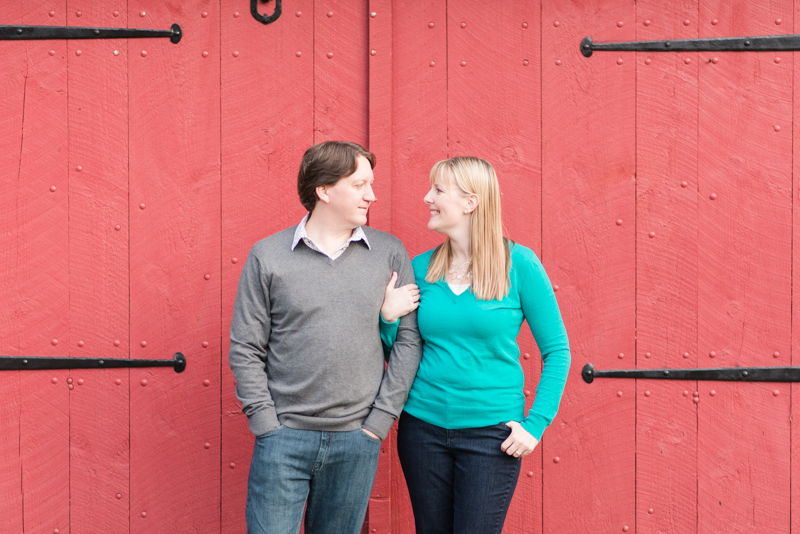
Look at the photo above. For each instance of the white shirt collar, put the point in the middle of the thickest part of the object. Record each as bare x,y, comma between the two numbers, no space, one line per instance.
300,233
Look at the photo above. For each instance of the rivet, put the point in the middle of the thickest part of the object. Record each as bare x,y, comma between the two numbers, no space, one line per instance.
776,354
463,24
80,381
78,52
620,355
745,373
206,382
715,22
647,22
236,14
619,24
526,356
204,14
463,63
696,394
777,60
142,14
619,222
650,510
712,392
556,288
775,392
144,514
647,355
144,53
330,14
79,168
144,382
55,531
71,386
298,53
747,43
556,23
696,400
116,52
685,355
141,206
235,53
119,495
78,13
52,189
530,474
687,60
652,234
619,61
647,393
143,343
778,21
52,13
713,196
232,465
52,52
712,354
685,393
54,380
619,393
234,260
432,64
80,343
374,530
205,344
54,342
373,52
686,22
527,392
373,14
116,342
666,373
525,25
431,25
647,61
667,44
625,528
207,277
330,55
118,381
115,13
556,459
207,445
69,380
714,60
684,184
777,128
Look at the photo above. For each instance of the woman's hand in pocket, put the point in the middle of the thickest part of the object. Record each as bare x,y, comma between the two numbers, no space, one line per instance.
520,442
399,301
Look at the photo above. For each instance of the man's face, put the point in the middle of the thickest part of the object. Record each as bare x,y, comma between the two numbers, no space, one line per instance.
352,196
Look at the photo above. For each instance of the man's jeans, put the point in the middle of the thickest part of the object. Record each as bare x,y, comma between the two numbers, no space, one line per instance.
459,481
333,471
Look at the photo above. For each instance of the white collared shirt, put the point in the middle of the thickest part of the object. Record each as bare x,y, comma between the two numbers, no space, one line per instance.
300,233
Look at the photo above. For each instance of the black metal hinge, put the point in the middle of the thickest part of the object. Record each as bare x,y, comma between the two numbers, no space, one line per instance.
28,33
765,43
264,19
725,374
27,363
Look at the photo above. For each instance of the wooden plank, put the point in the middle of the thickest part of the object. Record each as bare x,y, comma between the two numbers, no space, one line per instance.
174,111
341,78
494,113
98,250
419,137
588,114
666,269
263,140
794,356
12,94
43,276
744,273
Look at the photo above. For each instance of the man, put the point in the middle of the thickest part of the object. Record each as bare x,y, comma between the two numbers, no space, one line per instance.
307,356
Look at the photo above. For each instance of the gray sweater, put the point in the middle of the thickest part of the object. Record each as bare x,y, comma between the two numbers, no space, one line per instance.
305,343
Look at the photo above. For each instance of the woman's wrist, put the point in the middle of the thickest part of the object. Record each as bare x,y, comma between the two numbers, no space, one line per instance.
388,319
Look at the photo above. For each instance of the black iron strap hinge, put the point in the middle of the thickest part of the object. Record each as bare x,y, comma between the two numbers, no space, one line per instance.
765,43
27,363
28,33
725,374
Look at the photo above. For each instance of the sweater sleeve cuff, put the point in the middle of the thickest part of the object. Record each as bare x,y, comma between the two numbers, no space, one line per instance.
378,422
535,425
387,323
263,421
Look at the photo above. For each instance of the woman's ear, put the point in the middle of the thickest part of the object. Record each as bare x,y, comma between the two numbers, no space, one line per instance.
472,202
322,194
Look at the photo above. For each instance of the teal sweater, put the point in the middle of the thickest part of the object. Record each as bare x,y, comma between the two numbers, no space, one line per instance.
470,374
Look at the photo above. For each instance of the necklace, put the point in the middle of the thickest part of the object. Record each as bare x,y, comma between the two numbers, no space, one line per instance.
465,270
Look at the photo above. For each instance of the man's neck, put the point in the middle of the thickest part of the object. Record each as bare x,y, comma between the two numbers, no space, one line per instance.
329,235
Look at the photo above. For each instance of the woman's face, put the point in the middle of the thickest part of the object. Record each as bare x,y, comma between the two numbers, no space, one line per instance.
447,204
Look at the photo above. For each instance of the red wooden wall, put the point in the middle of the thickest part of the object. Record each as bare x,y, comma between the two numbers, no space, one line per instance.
657,189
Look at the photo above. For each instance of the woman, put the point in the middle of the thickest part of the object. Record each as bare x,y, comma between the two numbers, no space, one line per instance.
463,431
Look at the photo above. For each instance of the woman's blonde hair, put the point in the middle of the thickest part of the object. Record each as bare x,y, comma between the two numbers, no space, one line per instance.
491,257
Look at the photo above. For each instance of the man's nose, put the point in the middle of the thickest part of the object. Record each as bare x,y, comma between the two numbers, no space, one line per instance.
369,195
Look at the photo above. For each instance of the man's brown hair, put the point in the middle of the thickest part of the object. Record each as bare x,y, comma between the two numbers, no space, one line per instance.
325,164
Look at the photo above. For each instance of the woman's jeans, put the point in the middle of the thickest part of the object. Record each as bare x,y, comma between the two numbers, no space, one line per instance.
460,482
332,471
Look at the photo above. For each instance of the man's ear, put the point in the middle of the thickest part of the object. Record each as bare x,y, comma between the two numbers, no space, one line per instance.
322,194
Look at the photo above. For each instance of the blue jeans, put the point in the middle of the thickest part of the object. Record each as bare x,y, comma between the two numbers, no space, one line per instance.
332,471
460,482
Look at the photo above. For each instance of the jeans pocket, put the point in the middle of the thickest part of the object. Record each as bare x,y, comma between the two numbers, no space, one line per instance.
373,440
269,433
